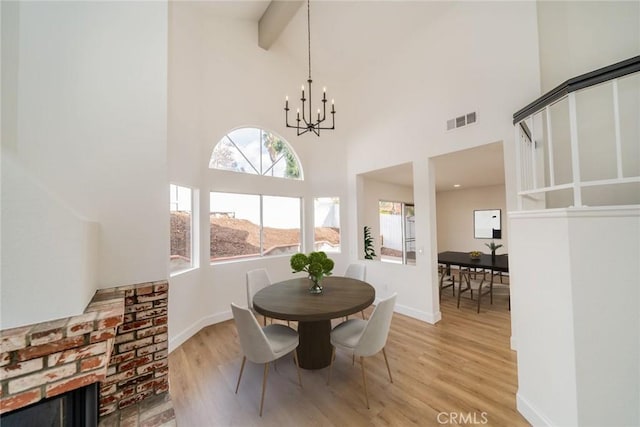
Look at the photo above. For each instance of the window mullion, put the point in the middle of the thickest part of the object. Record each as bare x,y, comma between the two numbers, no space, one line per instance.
261,146
273,164
261,226
242,154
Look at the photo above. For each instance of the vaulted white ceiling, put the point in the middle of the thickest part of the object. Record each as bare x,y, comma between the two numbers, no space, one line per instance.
349,38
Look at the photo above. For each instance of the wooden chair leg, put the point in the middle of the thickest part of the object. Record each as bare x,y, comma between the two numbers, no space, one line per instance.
363,318
333,355
384,353
244,359
460,289
264,385
295,359
453,285
364,381
491,292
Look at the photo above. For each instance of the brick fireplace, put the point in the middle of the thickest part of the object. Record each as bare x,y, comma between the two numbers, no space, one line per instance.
119,342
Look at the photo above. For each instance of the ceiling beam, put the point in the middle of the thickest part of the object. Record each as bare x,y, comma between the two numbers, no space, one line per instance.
274,20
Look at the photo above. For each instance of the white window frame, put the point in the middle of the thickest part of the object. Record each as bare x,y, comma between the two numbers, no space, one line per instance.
339,249
195,227
241,258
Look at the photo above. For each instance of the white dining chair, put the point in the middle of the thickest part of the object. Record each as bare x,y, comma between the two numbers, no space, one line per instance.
256,280
263,344
356,271
364,338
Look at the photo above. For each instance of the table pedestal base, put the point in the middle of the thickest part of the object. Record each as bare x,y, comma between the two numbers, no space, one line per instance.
314,350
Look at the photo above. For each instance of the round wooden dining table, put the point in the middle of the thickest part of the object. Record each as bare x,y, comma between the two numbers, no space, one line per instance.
291,300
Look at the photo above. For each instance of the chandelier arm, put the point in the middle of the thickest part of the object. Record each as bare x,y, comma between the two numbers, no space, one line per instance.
324,110
333,124
304,117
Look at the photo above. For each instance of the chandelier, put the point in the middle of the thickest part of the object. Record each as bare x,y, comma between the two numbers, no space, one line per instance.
304,122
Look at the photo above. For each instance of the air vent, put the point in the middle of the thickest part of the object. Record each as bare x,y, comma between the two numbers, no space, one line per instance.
461,121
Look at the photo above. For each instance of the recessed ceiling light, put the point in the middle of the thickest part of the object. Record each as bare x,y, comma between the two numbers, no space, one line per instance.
456,185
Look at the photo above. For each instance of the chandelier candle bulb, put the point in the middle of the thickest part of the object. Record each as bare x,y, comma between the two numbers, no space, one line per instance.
286,102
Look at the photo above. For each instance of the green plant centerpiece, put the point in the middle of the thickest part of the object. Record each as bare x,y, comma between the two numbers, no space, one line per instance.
493,247
316,264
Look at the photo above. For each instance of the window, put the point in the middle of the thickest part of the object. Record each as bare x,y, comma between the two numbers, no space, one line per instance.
182,228
397,232
250,225
326,224
255,151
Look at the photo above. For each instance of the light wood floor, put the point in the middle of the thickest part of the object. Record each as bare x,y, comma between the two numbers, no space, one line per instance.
462,366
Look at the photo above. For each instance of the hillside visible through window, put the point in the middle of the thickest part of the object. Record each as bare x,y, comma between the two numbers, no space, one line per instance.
252,225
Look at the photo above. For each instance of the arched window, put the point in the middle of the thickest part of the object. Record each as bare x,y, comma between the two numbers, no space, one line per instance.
256,151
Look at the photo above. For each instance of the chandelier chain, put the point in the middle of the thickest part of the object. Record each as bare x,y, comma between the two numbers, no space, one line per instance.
309,33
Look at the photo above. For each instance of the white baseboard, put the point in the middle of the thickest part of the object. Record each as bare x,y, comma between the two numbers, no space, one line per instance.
177,340
530,412
432,318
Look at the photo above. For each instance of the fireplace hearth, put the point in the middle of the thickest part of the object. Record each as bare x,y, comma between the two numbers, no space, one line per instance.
118,347
76,408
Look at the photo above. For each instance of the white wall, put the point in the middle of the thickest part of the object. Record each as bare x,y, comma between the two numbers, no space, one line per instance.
461,57
545,343
87,101
221,87
216,86
42,240
455,218
570,33
607,336
390,113
579,363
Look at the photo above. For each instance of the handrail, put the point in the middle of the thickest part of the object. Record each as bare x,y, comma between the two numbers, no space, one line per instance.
592,78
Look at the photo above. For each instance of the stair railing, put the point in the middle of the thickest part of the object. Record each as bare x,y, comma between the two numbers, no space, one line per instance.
543,164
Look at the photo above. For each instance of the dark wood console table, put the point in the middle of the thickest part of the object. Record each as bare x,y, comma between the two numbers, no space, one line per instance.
291,300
